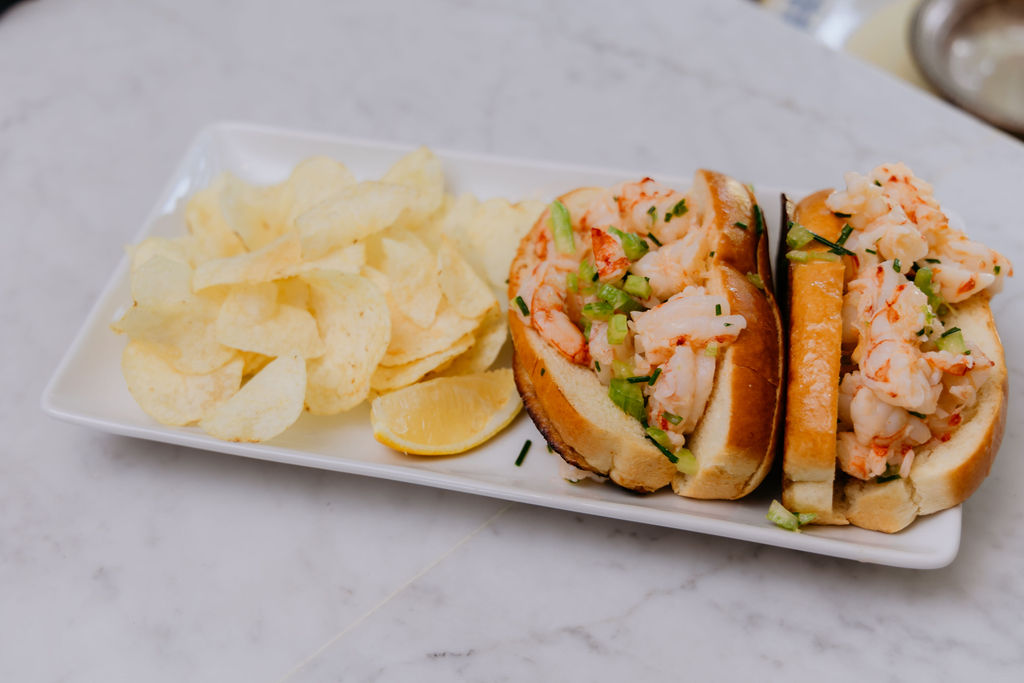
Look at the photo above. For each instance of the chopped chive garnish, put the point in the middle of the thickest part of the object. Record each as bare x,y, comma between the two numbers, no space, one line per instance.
654,239
542,371
718,309
727,324
835,248
522,453
680,208
841,214
845,234
550,449
917,414
758,219
932,260
522,305
711,254
740,225
952,330
887,477
653,213
639,379
654,376
597,365
664,451
878,183
896,265
871,251
674,419
920,332
996,269
967,352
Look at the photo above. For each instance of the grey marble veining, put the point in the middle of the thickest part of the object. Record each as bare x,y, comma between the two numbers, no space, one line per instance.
125,560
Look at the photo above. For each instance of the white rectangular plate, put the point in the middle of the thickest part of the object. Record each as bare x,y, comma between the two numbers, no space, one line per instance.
87,387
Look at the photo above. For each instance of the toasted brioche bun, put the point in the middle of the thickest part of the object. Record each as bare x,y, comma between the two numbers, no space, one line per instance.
734,441
943,474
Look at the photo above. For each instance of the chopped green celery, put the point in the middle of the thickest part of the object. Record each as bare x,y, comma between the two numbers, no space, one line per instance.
952,340
798,236
803,518
674,419
598,310
923,281
805,256
617,329
633,246
755,280
687,463
572,282
782,517
628,397
618,299
622,369
561,228
637,286
711,349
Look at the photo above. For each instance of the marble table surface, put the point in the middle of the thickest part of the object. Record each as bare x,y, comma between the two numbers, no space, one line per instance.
123,560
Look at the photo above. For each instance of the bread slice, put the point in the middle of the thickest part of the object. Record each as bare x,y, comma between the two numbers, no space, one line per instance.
942,475
734,441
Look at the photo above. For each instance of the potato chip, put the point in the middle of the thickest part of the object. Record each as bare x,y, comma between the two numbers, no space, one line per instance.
411,271
350,214
395,377
379,279
462,287
489,340
344,260
253,363
162,282
269,263
184,335
205,220
420,171
293,291
258,215
171,397
489,239
313,181
267,405
251,320
352,315
447,220
176,249
411,342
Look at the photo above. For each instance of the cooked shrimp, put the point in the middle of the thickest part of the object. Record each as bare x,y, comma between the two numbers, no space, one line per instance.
891,311
692,316
648,207
896,213
858,460
682,389
609,258
676,265
547,314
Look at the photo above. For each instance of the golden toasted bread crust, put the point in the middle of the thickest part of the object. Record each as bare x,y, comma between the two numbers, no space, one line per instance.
571,407
943,474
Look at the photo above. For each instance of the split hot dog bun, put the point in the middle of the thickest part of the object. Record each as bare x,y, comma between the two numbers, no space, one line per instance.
844,458
719,241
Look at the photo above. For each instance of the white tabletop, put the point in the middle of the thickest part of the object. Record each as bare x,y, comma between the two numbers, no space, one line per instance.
128,560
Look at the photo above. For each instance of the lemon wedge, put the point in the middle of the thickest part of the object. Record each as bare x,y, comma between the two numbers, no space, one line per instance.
446,415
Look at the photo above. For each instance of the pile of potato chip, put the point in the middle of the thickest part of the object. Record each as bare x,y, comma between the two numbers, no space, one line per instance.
314,293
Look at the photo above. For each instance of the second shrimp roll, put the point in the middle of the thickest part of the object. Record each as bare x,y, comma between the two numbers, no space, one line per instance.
647,337
897,381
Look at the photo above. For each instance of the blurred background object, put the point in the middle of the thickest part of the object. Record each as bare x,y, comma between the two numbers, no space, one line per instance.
969,51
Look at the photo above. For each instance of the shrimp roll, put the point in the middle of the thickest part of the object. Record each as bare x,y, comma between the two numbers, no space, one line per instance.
897,383
647,339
